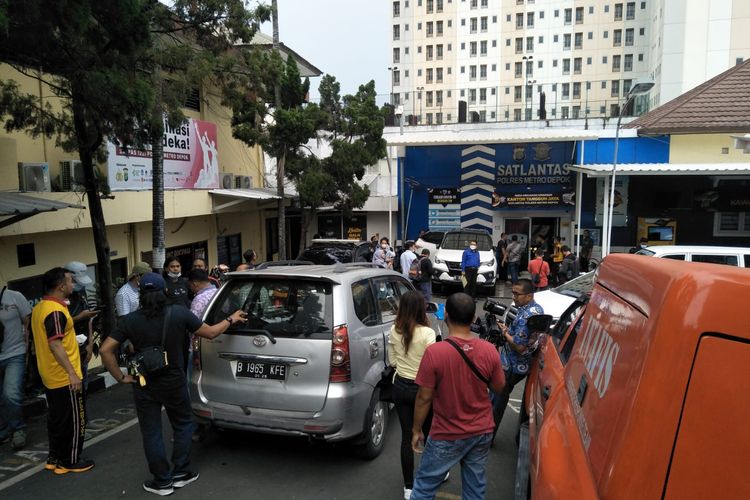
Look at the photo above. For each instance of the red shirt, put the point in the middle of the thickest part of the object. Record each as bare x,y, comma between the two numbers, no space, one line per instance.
461,404
540,267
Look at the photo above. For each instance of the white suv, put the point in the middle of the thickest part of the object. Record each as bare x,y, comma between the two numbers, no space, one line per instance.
731,256
447,266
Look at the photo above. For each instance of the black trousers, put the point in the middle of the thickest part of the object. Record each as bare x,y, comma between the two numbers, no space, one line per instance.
500,401
404,396
66,424
471,281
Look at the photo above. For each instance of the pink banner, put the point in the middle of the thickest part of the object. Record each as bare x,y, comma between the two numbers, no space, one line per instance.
191,160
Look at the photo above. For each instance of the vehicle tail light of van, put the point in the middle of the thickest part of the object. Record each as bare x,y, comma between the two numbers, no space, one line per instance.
196,353
341,370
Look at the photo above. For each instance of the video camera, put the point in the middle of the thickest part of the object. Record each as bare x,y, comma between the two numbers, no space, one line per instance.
487,327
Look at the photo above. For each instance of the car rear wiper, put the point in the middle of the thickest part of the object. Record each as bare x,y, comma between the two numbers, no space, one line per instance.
257,331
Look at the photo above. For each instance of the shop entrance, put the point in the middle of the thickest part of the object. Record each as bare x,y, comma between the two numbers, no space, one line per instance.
532,232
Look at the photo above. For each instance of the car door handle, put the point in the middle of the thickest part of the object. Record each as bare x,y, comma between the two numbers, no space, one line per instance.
546,392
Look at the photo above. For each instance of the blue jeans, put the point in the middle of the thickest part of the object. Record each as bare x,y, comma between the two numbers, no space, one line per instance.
11,394
168,390
513,269
438,458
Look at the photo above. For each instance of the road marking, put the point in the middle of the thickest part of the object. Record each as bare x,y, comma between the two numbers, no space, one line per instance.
20,477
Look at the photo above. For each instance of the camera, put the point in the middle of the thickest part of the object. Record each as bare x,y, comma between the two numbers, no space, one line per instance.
486,328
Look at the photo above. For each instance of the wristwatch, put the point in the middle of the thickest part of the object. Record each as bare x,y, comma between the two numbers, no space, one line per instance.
229,318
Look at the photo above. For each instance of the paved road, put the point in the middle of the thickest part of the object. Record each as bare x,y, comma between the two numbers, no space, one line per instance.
232,464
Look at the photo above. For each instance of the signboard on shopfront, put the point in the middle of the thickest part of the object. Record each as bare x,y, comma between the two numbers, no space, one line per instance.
191,160
444,208
533,175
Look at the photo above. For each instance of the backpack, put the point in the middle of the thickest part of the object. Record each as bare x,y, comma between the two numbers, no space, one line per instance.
536,277
415,269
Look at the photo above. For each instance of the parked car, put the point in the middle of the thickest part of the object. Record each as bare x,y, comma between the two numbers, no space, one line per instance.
555,301
309,359
641,390
431,240
447,263
732,256
329,251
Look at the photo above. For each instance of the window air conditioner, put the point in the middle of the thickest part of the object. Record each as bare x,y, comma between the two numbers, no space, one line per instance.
71,176
33,177
243,182
227,181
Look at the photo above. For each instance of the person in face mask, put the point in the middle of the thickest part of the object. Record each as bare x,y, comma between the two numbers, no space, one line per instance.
642,243
383,256
176,285
79,310
470,268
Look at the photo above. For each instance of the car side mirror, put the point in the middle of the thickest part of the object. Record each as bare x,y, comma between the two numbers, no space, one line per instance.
432,307
539,323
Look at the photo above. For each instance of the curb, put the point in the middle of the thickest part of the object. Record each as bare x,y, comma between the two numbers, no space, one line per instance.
98,380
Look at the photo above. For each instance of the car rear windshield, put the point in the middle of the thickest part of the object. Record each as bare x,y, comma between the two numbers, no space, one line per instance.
581,285
644,251
459,241
327,254
281,307
434,237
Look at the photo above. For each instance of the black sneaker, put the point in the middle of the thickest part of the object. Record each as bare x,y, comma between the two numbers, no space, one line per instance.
51,463
185,479
80,466
158,489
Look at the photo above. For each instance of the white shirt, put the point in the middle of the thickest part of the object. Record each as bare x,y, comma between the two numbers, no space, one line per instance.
127,299
406,259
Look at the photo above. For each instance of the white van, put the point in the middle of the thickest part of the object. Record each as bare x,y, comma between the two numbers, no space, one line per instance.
730,256
447,262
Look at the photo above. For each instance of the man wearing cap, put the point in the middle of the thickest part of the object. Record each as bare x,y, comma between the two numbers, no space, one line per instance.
59,363
167,388
126,300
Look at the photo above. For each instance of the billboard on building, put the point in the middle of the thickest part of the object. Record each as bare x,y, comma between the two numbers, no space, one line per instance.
444,208
191,160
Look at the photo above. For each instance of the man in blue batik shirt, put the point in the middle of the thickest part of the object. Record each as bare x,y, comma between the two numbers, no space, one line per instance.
515,355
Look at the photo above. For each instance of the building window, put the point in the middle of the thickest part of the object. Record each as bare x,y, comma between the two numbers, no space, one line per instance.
642,31
579,15
540,64
616,62
529,19
472,72
568,16
629,37
604,59
577,64
615,88
396,55
565,112
617,38
618,12
566,42
396,32
429,118
482,96
630,13
439,97
439,52
439,28
439,75
428,100
517,96
588,61
519,45
472,96
555,38
438,118
473,49
396,78
519,70
577,90
429,76
439,7
396,9
429,28
529,44
406,51
428,53
628,66
519,21
566,91
529,68
541,39
430,6
579,40
483,48
483,71
626,84
473,25
732,224
483,24
566,67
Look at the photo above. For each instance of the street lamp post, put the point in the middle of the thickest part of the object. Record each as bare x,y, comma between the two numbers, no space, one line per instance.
528,63
638,88
531,99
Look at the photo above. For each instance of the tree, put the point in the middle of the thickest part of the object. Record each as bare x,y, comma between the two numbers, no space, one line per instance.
191,45
92,55
353,126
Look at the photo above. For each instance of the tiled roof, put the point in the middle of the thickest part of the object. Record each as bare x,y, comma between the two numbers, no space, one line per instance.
722,104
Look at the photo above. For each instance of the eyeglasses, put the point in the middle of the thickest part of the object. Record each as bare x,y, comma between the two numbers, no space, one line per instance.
517,294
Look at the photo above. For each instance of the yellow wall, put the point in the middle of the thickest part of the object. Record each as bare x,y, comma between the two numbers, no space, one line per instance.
704,148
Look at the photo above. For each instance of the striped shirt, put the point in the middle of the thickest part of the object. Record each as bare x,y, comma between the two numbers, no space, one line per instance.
127,299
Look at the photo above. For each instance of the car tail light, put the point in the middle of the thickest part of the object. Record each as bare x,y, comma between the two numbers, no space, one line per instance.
341,370
196,353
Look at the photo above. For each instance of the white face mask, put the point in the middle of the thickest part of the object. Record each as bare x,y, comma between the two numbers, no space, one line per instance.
473,247
173,275
383,246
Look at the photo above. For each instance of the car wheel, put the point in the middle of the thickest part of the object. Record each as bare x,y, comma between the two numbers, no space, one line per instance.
376,426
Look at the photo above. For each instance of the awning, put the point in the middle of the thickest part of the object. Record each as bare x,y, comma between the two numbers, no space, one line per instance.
605,169
486,136
17,207
241,195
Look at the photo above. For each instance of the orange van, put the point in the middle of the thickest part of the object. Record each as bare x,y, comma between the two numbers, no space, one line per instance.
643,389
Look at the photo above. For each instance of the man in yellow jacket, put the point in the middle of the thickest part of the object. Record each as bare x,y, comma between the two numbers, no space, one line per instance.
59,365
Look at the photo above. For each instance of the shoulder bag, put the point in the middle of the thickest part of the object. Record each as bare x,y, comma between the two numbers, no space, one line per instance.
469,363
153,360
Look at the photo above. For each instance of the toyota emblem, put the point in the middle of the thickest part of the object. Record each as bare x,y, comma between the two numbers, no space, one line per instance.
259,341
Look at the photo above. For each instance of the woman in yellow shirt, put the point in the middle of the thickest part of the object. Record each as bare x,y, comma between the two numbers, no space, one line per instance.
410,335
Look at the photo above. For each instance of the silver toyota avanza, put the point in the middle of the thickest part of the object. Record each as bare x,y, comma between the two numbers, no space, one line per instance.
309,359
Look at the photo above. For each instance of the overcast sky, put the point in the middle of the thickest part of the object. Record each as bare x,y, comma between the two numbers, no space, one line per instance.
344,38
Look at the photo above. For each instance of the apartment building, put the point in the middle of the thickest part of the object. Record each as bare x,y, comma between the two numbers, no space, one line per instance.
515,60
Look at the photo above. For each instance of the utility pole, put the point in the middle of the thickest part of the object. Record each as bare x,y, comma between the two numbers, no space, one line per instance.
279,161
